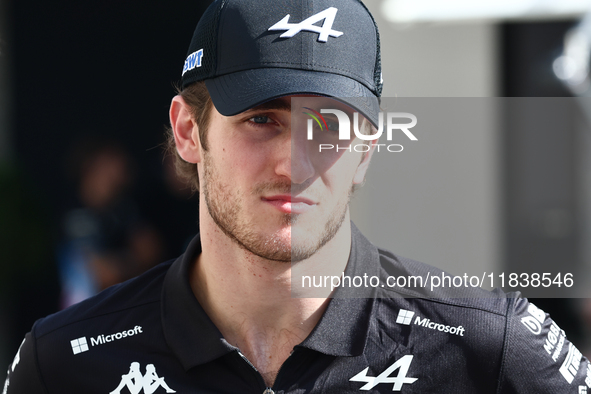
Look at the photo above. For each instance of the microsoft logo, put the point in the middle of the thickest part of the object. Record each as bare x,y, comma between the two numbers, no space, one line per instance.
404,317
79,345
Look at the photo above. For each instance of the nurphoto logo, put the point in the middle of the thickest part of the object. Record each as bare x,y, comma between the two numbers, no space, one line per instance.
339,124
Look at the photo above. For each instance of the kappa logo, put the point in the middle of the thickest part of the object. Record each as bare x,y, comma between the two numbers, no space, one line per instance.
308,24
399,380
135,382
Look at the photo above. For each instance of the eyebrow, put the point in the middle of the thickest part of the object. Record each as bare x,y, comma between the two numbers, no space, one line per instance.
277,104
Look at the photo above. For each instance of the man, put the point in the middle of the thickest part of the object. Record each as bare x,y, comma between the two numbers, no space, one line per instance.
226,317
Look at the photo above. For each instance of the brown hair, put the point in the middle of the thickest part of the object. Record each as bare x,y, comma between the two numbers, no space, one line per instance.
197,98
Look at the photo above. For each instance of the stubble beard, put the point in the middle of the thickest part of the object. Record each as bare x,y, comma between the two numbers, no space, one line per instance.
227,213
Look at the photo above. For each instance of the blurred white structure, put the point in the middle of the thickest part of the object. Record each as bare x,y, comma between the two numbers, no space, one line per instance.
440,60
413,11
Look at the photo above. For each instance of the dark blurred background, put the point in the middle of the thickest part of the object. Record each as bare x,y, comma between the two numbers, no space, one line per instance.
85,89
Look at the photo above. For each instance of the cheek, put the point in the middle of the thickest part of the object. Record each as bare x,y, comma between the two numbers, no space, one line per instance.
340,175
241,161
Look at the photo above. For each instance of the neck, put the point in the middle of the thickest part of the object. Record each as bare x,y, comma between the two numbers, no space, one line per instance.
251,299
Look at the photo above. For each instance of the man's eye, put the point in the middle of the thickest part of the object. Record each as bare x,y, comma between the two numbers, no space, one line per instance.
332,126
260,119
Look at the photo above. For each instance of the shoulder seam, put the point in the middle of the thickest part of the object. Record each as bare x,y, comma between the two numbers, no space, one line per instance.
443,301
509,315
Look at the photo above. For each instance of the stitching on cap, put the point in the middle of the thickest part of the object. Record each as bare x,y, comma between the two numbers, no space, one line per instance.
299,64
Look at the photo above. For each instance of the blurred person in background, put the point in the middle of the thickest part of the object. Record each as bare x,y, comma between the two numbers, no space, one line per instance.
178,223
106,240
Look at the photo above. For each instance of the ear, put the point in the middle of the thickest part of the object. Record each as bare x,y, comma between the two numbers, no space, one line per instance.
359,176
186,131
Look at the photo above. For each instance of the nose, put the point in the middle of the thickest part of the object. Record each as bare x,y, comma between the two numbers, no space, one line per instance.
296,163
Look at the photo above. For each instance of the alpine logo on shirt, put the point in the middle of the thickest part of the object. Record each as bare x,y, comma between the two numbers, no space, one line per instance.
402,365
405,318
135,383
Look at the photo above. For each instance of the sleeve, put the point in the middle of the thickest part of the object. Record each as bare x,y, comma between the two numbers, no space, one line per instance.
538,358
23,373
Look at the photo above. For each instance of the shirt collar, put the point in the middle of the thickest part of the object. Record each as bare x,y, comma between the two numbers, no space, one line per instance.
188,330
342,329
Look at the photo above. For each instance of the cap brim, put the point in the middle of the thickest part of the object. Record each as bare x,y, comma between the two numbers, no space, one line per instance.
237,92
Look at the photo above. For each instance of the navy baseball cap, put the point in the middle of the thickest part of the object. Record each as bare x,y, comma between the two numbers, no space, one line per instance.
252,51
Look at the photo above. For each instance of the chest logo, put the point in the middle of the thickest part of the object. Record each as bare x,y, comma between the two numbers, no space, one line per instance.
136,382
399,380
308,24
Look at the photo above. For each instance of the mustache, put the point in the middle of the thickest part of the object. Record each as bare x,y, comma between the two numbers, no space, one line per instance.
279,187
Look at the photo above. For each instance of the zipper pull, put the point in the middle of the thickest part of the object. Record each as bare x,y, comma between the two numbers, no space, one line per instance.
268,391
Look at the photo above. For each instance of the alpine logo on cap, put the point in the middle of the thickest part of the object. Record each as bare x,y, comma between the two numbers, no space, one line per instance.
308,24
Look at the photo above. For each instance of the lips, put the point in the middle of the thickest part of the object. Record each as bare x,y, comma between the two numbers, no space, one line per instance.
287,203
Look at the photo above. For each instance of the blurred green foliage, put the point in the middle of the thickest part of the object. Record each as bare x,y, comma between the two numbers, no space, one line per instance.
25,244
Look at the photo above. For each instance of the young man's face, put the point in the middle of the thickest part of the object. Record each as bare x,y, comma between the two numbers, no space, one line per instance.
269,188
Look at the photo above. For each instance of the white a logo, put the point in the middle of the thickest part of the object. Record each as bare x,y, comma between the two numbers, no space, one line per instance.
402,365
309,25
136,382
